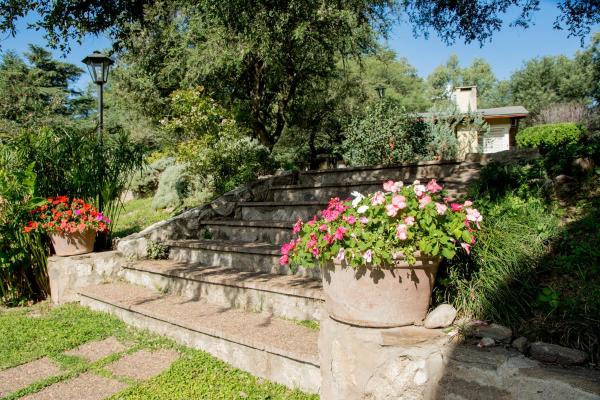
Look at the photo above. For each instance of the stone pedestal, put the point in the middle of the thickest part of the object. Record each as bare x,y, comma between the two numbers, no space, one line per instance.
67,274
367,363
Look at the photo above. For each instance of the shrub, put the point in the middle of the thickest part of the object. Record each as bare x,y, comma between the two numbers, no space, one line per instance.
145,182
172,187
23,274
225,162
550,136
442,124
386,135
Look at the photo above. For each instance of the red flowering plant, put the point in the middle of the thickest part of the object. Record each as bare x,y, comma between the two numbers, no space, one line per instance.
61,215
384,226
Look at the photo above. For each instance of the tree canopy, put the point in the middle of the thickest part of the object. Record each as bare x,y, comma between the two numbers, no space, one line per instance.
469,20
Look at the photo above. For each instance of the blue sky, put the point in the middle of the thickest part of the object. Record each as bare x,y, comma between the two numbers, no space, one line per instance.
507,51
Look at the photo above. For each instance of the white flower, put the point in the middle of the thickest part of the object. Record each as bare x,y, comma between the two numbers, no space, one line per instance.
362,209
358,197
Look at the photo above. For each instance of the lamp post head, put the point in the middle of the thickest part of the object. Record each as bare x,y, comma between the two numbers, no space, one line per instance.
98,65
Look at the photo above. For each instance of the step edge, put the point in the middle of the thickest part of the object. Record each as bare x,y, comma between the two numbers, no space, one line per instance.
222,249
349,184
280,203
243,285
205,331
256,223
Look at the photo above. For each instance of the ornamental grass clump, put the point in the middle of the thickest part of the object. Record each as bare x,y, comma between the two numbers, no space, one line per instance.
60,215
381,228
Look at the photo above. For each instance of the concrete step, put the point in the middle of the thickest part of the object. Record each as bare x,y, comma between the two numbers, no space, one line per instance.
240,255
406,173
267,347
295,193
280,211
284,296
276,232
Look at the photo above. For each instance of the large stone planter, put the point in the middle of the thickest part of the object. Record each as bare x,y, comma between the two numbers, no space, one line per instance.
385,297
72,244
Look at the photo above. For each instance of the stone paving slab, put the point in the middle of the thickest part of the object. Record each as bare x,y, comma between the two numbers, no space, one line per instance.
20,377
97,350
85,387
143,364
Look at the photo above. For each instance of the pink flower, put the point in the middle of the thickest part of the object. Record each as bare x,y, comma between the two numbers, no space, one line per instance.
402,232
399,202
284,260
363,220
350,219
339,233
77,212
410,220
419,189
423,201
315,251
473,215
331,215
297,226
99,217
468,203
466,247
378,198
390,186
287,247
368,256
455,207
433,186
328,238
323,228
447,199
441,208
341,255
312,221
391,210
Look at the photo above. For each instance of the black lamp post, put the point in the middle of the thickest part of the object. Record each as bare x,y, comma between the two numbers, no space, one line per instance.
380,91
98,65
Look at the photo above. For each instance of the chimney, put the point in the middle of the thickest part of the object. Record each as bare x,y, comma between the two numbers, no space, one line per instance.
465,98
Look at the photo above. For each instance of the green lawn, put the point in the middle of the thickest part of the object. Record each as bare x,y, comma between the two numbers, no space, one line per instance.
137,215
29,333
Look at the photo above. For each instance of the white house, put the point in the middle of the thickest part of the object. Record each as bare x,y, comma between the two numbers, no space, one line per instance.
503,122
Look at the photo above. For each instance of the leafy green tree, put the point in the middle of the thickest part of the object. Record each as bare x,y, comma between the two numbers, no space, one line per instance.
36,91
553,79
471,20
449,75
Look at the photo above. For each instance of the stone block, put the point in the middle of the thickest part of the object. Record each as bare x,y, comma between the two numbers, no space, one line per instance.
441,317
67,274
553,353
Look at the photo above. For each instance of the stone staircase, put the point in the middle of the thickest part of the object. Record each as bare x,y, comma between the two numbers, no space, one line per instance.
222,289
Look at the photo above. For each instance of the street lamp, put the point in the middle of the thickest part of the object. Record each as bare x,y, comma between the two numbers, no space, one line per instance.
380,91
98,65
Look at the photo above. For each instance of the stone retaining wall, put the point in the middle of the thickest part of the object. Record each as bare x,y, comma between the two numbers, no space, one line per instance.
67,274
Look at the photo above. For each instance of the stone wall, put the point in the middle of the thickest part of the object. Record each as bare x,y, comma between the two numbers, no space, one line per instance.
67,274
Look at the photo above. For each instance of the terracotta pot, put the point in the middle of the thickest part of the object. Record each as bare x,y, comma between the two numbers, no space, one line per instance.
71,244
384,297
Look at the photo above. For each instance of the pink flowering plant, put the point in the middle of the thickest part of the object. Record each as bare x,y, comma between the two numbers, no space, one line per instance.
377,229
